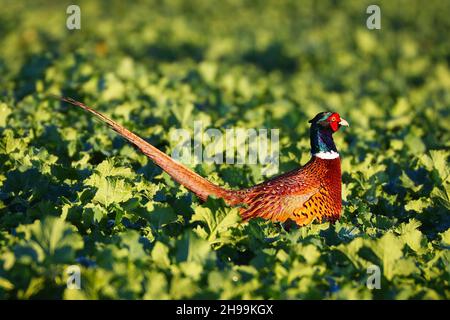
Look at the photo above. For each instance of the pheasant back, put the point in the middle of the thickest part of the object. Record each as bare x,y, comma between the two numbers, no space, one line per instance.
303,195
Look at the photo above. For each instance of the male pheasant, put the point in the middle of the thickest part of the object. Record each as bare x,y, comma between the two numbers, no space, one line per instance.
302,195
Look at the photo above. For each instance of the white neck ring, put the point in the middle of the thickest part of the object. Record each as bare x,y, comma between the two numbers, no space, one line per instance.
327,155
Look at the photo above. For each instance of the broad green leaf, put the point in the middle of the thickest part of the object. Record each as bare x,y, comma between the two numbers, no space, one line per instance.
410,234
131,241
5,111
112,190
6,284
417,205
437,159
156,286
55,239
309,252
35,285
351,250
445,236
218,220
389,249
160,255
191,248
442,195
108,168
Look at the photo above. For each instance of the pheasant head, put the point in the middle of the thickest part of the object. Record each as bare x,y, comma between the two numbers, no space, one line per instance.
323,125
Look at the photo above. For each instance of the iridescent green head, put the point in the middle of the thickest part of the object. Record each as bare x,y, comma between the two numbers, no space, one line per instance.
323,125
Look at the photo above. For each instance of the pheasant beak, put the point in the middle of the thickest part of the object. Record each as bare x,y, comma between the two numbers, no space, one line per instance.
344,122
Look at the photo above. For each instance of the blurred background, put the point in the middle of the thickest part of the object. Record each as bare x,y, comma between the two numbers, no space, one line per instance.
156,66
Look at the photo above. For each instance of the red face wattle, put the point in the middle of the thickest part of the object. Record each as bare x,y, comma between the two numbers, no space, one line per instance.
334,120
327,120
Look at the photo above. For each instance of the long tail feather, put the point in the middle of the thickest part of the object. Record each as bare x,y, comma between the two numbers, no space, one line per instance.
180,173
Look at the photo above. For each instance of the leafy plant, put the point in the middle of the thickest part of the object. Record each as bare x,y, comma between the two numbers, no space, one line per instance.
72,193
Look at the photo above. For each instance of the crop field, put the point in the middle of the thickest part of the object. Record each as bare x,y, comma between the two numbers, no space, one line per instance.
76,198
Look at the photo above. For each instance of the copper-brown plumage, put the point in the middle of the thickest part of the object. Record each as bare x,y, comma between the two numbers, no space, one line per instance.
310,192
302,195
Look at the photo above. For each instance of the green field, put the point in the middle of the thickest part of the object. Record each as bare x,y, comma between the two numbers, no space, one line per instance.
72,192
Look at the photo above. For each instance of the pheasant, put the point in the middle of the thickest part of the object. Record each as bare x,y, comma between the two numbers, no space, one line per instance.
303,195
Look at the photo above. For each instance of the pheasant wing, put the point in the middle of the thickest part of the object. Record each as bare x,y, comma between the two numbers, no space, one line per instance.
279,198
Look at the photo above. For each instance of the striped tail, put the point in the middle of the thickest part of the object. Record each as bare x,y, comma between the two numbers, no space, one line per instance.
180,173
